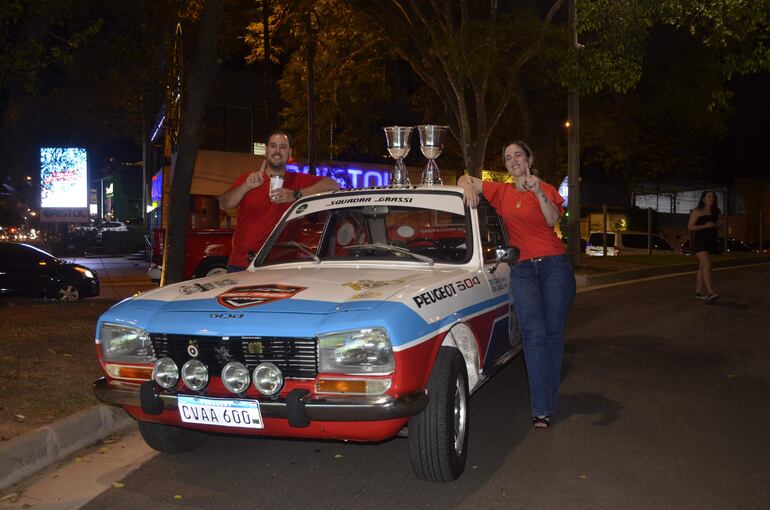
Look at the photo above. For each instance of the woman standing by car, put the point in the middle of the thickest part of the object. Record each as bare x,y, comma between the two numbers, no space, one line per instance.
542,283
703,225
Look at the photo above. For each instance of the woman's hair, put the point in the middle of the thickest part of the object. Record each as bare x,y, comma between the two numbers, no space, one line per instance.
527,151
702,203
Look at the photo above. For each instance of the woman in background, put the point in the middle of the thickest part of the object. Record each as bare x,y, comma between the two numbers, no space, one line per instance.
704,225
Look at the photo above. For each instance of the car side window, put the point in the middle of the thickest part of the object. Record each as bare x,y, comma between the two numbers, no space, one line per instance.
492,230
634,241
16,255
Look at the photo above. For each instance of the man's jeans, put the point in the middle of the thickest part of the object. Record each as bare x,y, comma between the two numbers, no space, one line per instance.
542,291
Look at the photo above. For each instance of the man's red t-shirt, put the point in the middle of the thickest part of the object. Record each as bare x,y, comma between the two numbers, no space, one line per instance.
523,219
257,215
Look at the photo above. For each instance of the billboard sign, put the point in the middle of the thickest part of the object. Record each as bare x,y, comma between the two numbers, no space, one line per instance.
64,184
63,177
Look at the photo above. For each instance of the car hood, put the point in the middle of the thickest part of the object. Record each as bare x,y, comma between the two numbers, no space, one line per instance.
298,289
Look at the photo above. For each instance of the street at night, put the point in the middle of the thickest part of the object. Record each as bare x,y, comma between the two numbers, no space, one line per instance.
663,405
291,254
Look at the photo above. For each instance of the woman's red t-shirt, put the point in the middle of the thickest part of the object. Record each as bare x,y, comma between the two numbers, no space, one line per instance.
523,219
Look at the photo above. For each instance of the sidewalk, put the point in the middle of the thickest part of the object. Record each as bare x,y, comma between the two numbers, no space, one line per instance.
26,454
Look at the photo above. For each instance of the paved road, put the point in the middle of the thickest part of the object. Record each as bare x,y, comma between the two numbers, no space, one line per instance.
120,277
664,405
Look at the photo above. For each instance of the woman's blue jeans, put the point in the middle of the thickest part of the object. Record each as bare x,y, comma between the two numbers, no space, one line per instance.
542,291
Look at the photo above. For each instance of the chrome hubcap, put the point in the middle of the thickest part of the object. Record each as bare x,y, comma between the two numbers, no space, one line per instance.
68,293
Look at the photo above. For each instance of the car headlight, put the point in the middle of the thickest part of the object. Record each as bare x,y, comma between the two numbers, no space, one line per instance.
126,344
86,272
360,351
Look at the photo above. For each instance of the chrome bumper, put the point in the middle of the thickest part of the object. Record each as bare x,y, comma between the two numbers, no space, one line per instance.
328,408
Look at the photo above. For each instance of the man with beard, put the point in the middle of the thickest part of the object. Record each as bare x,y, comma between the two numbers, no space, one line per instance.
260,204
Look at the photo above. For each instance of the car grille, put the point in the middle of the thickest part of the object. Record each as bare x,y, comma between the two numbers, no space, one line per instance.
296,357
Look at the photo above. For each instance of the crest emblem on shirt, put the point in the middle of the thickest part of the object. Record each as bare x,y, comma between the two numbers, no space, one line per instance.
254,295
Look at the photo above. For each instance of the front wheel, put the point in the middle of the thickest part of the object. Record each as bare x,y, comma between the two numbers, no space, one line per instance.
438,436
68,293
168,439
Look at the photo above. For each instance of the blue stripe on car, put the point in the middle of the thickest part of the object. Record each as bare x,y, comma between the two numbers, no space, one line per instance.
304,317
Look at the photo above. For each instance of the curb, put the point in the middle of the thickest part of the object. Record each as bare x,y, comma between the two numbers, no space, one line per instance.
26,454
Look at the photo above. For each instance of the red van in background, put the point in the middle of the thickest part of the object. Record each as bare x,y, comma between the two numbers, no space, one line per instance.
206,252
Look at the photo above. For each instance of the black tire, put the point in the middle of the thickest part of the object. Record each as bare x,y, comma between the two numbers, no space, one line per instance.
211,268
438,436
168,439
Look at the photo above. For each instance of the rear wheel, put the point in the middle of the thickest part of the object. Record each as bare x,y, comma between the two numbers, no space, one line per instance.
438,436
168,439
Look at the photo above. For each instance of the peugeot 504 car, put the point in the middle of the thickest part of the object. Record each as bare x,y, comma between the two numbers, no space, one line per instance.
366,312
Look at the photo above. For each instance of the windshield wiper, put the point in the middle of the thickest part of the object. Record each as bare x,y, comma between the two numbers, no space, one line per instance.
392,249
303,248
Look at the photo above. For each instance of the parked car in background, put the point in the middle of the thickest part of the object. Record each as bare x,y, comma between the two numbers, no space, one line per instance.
27,271
114,226
765,248
733,246
365,311
627,242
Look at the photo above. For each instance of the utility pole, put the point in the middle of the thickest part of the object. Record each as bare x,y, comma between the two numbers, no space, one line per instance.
573,156
310,58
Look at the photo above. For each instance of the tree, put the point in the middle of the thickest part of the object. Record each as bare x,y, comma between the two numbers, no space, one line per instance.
665,108
203,70
473,55
664,126
76,73
351,68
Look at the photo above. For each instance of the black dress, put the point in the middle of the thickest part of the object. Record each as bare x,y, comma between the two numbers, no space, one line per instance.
705,239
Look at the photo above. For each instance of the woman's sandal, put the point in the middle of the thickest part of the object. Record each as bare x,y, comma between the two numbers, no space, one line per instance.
541,422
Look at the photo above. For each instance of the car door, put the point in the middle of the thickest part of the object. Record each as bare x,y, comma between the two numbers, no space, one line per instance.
6,268
25,271
505,338
661,246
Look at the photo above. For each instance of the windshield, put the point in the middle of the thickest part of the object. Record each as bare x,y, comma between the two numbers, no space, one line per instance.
371,232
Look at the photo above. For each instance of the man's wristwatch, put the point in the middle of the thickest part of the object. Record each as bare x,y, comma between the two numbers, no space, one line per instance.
297,194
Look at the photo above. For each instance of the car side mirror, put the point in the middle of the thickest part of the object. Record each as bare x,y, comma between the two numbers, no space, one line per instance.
508,254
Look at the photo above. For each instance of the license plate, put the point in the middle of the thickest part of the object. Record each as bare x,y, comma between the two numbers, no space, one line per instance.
220,412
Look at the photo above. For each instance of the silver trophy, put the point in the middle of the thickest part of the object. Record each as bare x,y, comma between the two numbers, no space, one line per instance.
431,145
397,138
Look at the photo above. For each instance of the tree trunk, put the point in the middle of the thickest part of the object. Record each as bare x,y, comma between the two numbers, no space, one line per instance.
474,156
203,72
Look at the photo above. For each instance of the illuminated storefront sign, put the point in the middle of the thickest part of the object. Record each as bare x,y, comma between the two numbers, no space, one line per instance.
348,176
156,191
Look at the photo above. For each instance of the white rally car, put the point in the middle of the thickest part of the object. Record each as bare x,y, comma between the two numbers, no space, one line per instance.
366,311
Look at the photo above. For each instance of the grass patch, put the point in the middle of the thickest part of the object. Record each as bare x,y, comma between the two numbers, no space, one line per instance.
48,361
